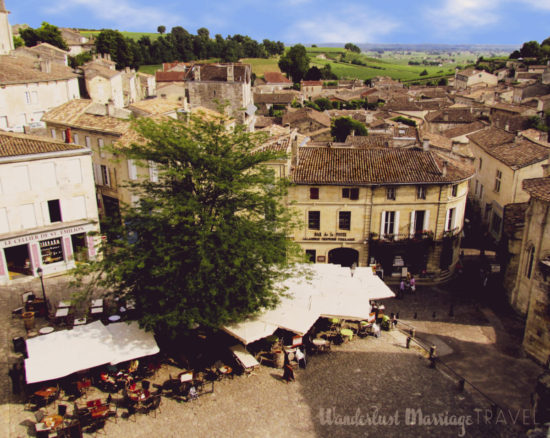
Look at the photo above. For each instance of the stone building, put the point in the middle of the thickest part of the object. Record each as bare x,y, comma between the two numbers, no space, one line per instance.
502,161
209,85
530,295
29,88
471,77
6,37
47,206
400,208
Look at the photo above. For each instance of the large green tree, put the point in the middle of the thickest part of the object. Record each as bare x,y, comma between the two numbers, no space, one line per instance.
47,33
341,127
207,243
295,63
113,42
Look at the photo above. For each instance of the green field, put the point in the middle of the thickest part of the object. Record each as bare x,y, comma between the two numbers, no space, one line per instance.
260,65
150,69
133,35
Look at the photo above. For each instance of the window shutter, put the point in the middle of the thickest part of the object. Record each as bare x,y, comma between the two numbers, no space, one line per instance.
382,223
132,170
426,220
413,224
97,175
108,176
153,172
396,225
447,220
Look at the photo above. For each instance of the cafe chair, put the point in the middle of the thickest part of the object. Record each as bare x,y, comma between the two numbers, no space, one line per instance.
62,410
153,405
39,416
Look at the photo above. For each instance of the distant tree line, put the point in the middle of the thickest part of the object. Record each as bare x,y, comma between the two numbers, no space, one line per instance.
532,49
177,45
180,45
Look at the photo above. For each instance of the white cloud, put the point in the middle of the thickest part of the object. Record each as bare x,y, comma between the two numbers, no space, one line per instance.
122,13
464,14
350,25
538,4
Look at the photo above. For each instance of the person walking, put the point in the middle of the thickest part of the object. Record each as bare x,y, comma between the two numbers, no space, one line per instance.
288,373
402,288
413,284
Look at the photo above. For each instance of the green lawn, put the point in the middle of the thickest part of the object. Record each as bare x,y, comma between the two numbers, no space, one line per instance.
260,65
150,69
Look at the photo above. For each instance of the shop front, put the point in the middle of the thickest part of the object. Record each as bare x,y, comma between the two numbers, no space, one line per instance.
55,249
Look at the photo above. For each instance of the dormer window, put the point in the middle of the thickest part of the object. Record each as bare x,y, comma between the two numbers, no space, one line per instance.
421,192
314,193
350,193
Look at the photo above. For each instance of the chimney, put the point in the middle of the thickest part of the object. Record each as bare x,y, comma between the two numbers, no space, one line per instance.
546,168
294,151
230,73
426,144
444,170
507,127
45,66
68,136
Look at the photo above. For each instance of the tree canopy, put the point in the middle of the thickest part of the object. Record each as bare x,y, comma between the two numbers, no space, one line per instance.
352,47
47,33
343,126
206,243
295,63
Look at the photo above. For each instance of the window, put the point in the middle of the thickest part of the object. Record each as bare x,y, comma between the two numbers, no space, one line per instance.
421,192
418,219
480,163
488,208
450,221
497,221
454,190
477,186
54,208
132,170
530,260
153,172
27,97
311,254
389,223
350,193
480,191
52,131
88,142
64,135
34,97
100,145
314,220
497,181
390,193
314,193
75,138
105,180
344,220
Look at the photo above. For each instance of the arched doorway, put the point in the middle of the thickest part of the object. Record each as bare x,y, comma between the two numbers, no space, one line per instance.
343,256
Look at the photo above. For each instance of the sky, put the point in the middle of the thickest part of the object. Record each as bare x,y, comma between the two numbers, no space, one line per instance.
307,21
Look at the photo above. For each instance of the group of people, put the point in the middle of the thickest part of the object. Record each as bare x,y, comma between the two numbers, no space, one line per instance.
288,371
407,285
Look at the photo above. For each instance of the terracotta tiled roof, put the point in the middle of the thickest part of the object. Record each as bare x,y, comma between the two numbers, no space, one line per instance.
12,145
513,151
277,144
304,114
464,129
369,141
401,105
77,113
275,77
262,122
92,69
157,105
275,98
17,70
372,166
404,131
538,188
170,76
451,115
312,83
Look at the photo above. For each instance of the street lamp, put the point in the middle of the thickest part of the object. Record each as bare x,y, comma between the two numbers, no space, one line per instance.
41,275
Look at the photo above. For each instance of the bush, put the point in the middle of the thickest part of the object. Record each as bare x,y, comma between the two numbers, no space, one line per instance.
423,72
404,120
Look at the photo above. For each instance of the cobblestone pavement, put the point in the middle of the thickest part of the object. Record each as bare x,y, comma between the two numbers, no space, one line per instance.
377,383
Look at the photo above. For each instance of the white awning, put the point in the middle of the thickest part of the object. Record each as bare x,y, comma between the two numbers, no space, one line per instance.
130,342
330,292
61,353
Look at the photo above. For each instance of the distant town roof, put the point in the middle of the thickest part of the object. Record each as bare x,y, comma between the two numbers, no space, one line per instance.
538,188
275,77
18,69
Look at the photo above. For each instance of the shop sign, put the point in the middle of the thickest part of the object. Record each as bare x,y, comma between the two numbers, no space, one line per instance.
43,236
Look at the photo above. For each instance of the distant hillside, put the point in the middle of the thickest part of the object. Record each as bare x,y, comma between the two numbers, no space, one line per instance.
430,47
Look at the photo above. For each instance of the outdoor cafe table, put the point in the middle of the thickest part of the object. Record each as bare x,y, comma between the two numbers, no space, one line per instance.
46,392
62,312
100,411
49,422
347,333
